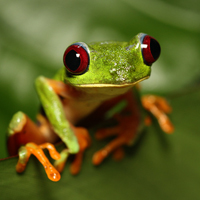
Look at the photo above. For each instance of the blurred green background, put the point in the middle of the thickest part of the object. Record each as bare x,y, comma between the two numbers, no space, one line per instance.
33,37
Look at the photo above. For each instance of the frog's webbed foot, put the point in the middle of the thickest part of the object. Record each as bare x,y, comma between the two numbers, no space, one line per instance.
84,142
26,138
125,132
159,107
37,150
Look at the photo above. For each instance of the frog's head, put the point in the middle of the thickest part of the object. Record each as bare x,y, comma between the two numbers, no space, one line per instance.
110,64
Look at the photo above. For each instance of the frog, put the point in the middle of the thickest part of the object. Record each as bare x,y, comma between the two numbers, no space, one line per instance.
99,81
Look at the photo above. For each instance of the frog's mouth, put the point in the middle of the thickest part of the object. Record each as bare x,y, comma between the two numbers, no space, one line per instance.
102,85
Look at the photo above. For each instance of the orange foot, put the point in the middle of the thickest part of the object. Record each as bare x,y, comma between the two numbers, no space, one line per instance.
31,148
126,132
159,107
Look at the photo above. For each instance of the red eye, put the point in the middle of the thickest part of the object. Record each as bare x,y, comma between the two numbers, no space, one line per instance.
150,49
76,58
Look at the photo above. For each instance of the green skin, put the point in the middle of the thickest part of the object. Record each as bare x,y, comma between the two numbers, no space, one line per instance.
115,63
114,68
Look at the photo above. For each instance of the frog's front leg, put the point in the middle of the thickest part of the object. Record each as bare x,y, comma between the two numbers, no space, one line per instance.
126,131
31,148
22,131
76,138
48,91
159,107
84,141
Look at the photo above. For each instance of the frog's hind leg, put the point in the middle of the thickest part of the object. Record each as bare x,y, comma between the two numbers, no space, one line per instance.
22,130
26,138
126,132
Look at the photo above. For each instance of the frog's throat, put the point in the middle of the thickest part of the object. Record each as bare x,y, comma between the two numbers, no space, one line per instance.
111,85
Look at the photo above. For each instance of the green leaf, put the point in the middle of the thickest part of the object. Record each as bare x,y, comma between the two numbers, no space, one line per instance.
160,166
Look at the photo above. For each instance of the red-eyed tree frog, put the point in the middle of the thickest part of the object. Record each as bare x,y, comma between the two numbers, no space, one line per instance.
96,83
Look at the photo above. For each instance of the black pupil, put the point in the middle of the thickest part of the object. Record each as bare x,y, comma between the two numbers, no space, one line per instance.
155,48
72,60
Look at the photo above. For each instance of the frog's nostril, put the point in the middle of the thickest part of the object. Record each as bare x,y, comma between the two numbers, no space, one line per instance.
150,49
